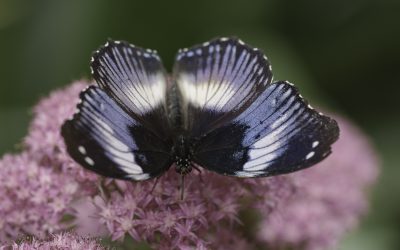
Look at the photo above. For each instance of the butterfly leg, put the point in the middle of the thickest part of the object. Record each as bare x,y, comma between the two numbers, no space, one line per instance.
154,186
182,187
198,169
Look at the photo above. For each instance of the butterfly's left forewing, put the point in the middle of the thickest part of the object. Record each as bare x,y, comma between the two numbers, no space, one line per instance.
279,133
103,138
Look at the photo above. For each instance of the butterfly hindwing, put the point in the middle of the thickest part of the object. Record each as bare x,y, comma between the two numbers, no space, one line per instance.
218,80
103,138
279,133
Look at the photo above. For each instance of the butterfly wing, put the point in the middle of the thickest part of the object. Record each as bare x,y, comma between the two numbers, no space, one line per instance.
135,78
217,81
121,129
103,138
279,133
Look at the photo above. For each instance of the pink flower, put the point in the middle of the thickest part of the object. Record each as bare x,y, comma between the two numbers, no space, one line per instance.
311,209
59,241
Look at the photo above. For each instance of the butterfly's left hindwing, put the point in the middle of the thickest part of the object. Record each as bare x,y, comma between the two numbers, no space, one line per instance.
279,133
103,138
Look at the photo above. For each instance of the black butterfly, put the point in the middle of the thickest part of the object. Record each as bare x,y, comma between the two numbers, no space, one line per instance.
219,110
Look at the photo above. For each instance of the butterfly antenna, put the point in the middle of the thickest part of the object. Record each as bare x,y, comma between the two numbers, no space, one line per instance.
182,185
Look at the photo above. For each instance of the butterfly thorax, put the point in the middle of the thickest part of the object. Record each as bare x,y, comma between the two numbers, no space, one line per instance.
183,156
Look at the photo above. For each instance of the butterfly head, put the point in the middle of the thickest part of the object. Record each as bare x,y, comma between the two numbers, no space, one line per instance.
183,156
183,165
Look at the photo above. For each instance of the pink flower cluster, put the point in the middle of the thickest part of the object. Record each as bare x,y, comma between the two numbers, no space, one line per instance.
211,206
312,208
35,197
38,185
58,241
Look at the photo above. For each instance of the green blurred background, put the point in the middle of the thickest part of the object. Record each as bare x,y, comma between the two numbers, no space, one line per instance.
343,55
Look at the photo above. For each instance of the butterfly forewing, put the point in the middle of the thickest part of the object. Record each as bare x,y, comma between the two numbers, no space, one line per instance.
217,81
278,133
102,137
136,79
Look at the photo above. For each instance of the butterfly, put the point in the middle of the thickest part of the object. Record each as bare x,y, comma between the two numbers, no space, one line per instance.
219,110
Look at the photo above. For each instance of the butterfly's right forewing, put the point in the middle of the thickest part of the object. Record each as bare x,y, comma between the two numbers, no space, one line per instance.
136,80
122,129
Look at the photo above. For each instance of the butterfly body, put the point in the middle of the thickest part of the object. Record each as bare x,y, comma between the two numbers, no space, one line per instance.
182,155
218,110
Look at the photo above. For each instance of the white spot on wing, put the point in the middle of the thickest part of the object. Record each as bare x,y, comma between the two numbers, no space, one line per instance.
89,161
212,94
149,95
316,143
244,174
139,177
309,155
82,150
